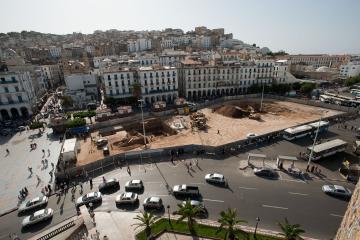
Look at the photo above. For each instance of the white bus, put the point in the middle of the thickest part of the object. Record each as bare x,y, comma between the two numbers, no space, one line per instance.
322,125
325,98
297,132
326,149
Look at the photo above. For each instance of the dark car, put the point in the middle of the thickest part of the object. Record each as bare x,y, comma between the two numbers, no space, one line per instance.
265,172
109,184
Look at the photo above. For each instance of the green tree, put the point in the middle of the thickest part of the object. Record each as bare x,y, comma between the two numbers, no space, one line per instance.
67,101
110,101
136,90
352,80
76,122
296,86
189,212
227,221
146,220
290,231
306,88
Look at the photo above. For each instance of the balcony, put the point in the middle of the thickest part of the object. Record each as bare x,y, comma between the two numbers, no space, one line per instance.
8,82
161,91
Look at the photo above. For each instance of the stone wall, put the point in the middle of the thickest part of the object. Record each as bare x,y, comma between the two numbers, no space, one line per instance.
350,225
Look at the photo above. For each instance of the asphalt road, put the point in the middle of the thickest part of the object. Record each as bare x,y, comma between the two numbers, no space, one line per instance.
300,200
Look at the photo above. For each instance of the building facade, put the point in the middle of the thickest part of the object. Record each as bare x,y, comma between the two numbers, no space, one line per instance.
319,60
17,96
350,69
198,80
155,83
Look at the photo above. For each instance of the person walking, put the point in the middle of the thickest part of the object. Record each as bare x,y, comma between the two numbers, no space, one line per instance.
49,187
26,190
30,170
48,152
38,178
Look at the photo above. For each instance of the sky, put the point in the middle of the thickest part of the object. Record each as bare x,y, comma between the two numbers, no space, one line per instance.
301,26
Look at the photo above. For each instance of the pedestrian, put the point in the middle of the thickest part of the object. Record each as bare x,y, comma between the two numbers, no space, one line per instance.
30,170
307,168
43,151
49,187
52,165
312,169
319,171
48,152
7,151
81,187
38,178
26,190
91,183
315,170
197,162
218,131
51,174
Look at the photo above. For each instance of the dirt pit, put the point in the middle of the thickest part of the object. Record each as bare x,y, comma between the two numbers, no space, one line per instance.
245,109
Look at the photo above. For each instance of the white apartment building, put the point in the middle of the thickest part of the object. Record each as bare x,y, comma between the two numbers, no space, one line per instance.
350,69
199,80
172,58
282,73
17,95
139,45
55,52
203,42
157,83
166,44
51,74
82,88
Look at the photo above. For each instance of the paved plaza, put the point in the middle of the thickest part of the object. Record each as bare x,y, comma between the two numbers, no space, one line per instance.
14,170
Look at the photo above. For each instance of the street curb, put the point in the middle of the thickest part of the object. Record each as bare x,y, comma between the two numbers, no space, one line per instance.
8,211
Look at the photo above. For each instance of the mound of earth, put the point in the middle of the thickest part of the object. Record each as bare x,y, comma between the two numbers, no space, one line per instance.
233,111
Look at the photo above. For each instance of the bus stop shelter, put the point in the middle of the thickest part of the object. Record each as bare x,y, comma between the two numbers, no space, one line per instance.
281,158
256,156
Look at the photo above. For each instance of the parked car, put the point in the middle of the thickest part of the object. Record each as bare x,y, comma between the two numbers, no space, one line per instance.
134,185
153,203
101,142
38,216
202,210
337,191
251,135
186,190
265,172
92,197
215,178
33,203
126,198
109,184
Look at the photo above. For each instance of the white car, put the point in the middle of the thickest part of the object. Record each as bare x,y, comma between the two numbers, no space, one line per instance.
33,203
37,216
337,191
89,198
215,178
153,202
134,185
251,135
126,198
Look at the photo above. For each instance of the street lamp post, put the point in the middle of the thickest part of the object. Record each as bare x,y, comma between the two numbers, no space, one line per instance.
168,209
312,148
257,222
142,118
262,97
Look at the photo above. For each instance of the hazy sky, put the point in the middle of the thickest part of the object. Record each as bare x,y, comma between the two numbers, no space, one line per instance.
301,26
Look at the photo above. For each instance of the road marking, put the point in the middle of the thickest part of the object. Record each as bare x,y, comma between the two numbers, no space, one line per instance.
196,183
302,194
153,182
212,200
159,195
293,180
269,206
248,188
336,215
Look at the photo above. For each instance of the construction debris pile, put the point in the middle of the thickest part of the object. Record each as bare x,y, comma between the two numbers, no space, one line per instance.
239,111
198,120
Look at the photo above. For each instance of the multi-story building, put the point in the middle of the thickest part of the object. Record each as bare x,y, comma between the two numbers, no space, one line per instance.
156,83
172,58
17,96
350,69
55,52
166,43
282,73
204,80
139,45
319,60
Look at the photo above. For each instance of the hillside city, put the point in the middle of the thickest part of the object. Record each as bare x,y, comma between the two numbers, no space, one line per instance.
167,134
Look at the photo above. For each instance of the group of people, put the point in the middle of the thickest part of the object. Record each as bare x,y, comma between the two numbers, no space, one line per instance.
23,193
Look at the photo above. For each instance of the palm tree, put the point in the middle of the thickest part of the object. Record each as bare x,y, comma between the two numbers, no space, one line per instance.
228,220
291,231
189,212
146,220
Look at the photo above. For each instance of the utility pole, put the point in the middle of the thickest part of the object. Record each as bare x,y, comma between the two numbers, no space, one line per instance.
316,135
142,118
262,97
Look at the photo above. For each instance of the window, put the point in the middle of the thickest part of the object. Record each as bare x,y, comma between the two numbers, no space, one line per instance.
128,82
2,79
111,92
109,84
117,92
145,82
144,75
13,79
122,83
121,76
128,75
115,76
16,88
20,98
109,78
6,89
116,84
